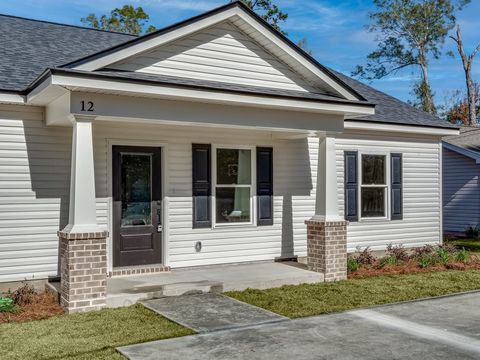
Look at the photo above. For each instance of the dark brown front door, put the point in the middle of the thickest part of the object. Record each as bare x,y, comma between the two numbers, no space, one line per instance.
137,206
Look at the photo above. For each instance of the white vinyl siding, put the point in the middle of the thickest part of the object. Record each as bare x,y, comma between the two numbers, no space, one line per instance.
34,187
293,202
220,53
461,193
421,192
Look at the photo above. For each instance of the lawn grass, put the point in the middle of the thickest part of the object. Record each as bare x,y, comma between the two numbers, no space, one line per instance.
472,245
93,335
314,299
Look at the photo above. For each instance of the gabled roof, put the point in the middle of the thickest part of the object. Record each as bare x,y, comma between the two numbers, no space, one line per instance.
236,11
29,46
32,46
467,143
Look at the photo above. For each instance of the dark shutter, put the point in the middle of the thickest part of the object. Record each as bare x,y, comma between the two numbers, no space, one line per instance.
264,186
201,185
351,185
396,186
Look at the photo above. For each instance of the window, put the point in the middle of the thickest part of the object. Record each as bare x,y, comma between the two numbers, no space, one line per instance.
373,186
233,185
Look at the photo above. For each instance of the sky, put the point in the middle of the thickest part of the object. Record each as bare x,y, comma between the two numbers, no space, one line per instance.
334,29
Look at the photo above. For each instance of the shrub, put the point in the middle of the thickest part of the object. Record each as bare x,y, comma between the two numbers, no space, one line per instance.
389,259
443,255
462,256
352,264
472,232
424,260
448,247
424,250
398,251
23,295
365,257
6,304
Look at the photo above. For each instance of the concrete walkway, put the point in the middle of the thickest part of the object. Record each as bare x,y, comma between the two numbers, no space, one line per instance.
444,328
211,312
124,291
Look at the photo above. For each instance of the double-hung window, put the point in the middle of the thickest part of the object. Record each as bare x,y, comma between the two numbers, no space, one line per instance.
373,186
233,185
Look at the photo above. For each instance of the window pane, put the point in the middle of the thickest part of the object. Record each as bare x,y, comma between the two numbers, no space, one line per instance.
136,189
232,205
373,169
373,202
234,167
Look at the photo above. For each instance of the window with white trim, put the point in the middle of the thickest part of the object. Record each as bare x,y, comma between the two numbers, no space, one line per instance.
373,186
233,185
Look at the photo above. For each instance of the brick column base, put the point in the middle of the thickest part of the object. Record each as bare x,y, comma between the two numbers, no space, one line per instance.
83,270
327,248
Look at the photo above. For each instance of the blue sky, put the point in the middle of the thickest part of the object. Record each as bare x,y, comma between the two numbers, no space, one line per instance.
334,30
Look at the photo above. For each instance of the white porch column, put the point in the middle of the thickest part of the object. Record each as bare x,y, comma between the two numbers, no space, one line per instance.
326,204
327,230
82,211
83,259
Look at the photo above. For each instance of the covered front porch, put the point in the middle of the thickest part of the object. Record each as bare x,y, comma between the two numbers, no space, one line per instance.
182,228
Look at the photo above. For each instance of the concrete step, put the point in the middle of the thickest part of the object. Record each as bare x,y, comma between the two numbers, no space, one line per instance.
117,296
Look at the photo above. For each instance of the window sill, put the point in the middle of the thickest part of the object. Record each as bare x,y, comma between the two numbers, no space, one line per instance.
235,226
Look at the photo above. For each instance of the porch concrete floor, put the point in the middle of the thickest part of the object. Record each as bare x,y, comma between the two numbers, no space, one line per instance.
125,291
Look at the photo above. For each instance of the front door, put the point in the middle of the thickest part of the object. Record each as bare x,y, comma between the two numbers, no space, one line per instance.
137,195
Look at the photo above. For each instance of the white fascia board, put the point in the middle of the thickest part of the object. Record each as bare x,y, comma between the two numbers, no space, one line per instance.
146,45
10,98
408,129
189,29
468,153
297,56
210,96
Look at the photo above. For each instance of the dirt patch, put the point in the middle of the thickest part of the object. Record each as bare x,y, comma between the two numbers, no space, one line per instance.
41,306
411,267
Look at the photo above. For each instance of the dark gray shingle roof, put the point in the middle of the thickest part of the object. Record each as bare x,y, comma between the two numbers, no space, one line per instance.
391,110
469,139
28,47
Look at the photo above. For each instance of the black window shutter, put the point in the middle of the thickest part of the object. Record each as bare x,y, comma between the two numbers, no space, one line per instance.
264,186
201,185
351,185
396,186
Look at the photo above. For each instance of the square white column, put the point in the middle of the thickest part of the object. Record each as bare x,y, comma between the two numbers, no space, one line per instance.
326,203
82,210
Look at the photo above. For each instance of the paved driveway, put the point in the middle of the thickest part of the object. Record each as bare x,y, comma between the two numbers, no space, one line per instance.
446,328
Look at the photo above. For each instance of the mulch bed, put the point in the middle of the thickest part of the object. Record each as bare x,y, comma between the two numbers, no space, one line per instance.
42,306
411,267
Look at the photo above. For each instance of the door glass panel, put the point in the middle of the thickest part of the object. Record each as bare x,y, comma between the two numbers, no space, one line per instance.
136,172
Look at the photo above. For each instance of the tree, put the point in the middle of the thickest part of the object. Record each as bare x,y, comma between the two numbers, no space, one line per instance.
459,111
127,20
269,12
409,32
472,90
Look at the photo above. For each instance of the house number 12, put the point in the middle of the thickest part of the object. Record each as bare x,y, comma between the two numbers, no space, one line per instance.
87,106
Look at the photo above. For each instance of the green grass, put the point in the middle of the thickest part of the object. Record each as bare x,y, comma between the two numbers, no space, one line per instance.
90,336
471,245
314,299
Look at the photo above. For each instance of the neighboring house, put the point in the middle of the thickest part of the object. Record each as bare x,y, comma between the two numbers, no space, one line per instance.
211,141
461,188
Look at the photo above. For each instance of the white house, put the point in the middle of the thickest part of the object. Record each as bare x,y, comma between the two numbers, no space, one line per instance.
211,141
461,171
